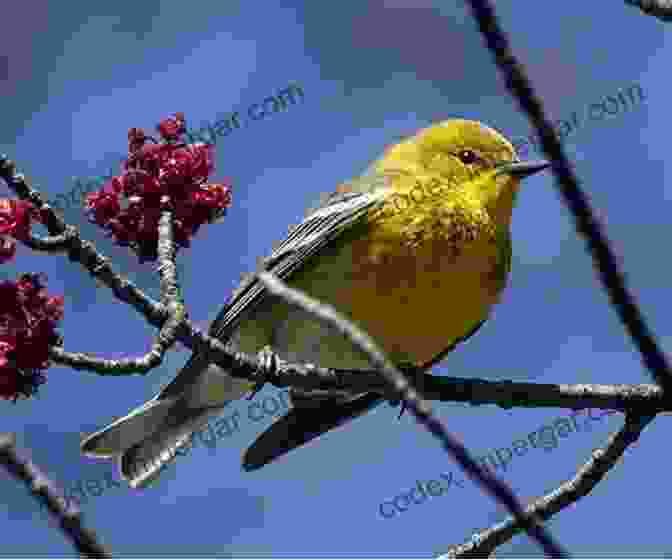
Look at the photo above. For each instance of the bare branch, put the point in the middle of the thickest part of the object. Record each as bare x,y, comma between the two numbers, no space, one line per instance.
662,9
170,291
587,477
508,394
585,220
125,366
418,406
170,299
52,244
504,393
67,514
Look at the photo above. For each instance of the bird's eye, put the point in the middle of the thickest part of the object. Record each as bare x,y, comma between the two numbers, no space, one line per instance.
467,156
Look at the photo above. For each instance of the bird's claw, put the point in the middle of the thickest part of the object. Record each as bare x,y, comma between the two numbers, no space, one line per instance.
268,361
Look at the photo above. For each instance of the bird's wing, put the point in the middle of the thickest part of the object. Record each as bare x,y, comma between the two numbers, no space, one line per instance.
337,214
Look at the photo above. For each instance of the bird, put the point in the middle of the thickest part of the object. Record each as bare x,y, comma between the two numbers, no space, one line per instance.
416,251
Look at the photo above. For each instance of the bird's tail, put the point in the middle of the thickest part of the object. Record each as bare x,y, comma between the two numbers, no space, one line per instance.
147,439
308,419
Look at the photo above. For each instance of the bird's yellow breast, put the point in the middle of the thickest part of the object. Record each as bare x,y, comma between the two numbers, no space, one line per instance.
415,281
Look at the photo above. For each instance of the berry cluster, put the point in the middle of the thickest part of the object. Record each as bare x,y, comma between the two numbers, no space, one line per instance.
28,318
15,216
129,206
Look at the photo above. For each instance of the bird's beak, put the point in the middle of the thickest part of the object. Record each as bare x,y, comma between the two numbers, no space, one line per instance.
522,169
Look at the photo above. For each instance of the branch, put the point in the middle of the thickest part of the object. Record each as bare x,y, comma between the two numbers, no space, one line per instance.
170,291
418,406
662,9
170,299
506,393
68,516
125,366
587,477
577,201
51,244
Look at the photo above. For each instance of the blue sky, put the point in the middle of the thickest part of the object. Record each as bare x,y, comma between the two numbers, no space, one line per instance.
75,78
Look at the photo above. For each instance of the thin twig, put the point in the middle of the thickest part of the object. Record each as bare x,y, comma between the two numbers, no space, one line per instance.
51,244
170,291
44,491
577,201
103,366
587,477
170,299
418,406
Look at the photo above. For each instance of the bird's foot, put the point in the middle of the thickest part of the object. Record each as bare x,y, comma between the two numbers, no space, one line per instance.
267,361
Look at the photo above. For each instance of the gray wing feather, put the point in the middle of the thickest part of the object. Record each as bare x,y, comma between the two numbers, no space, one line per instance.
337,214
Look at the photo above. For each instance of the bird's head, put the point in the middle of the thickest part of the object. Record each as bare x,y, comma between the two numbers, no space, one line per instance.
469,157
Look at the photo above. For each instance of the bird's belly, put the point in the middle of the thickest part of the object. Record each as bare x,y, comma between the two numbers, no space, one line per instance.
414,303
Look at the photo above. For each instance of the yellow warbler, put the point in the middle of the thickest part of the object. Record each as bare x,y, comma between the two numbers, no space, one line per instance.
416,251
